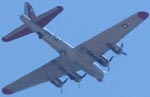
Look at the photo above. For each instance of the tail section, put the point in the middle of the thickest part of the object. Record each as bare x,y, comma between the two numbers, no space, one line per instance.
42,20
28,11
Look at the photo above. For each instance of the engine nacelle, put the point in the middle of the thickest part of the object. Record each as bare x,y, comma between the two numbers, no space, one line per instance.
100,59
72,75
117,49
103,61
57,82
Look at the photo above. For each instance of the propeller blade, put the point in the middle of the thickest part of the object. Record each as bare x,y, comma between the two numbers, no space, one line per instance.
111,58
61,90
122,50
110,61
124,53
122,45
65,81
108,69
84,75
79,85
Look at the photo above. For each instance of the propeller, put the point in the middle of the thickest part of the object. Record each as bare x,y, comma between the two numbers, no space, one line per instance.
79,85
82,78
63,83
108,69
61,90
83,75
124,53
111,58
65,80
122,45
109,62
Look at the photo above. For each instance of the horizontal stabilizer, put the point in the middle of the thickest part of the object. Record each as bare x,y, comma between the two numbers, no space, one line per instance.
17,33
42,20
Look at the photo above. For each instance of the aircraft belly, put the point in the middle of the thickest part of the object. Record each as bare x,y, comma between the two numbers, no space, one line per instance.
79,59
83,61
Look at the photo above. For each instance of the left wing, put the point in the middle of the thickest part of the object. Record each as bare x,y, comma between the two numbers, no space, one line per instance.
98,44
49,72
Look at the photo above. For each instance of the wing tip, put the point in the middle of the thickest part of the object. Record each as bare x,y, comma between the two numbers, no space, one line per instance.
7,91
5,39
60,8
143,15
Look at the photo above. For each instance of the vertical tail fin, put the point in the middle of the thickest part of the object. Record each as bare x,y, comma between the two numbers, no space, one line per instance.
28,11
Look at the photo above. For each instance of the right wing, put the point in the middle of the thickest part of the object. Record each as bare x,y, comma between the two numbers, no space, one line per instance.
98,44
38,76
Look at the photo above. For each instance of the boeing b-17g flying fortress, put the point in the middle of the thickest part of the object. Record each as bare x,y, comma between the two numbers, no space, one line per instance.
71,59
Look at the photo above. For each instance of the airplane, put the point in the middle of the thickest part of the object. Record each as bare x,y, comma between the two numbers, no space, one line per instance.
71,59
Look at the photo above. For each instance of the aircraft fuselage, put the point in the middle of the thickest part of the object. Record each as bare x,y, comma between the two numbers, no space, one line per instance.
58,44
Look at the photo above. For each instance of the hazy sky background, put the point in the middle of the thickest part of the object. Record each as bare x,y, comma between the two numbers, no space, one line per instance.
80,20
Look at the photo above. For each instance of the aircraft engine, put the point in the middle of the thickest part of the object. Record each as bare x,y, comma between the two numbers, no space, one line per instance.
57,82
117,49
73,75
100,59
103,61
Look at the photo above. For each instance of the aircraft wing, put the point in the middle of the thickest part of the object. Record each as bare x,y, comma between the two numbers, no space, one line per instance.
40,75
98,44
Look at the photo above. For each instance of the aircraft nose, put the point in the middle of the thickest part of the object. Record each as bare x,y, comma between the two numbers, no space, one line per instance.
7,91
143,15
